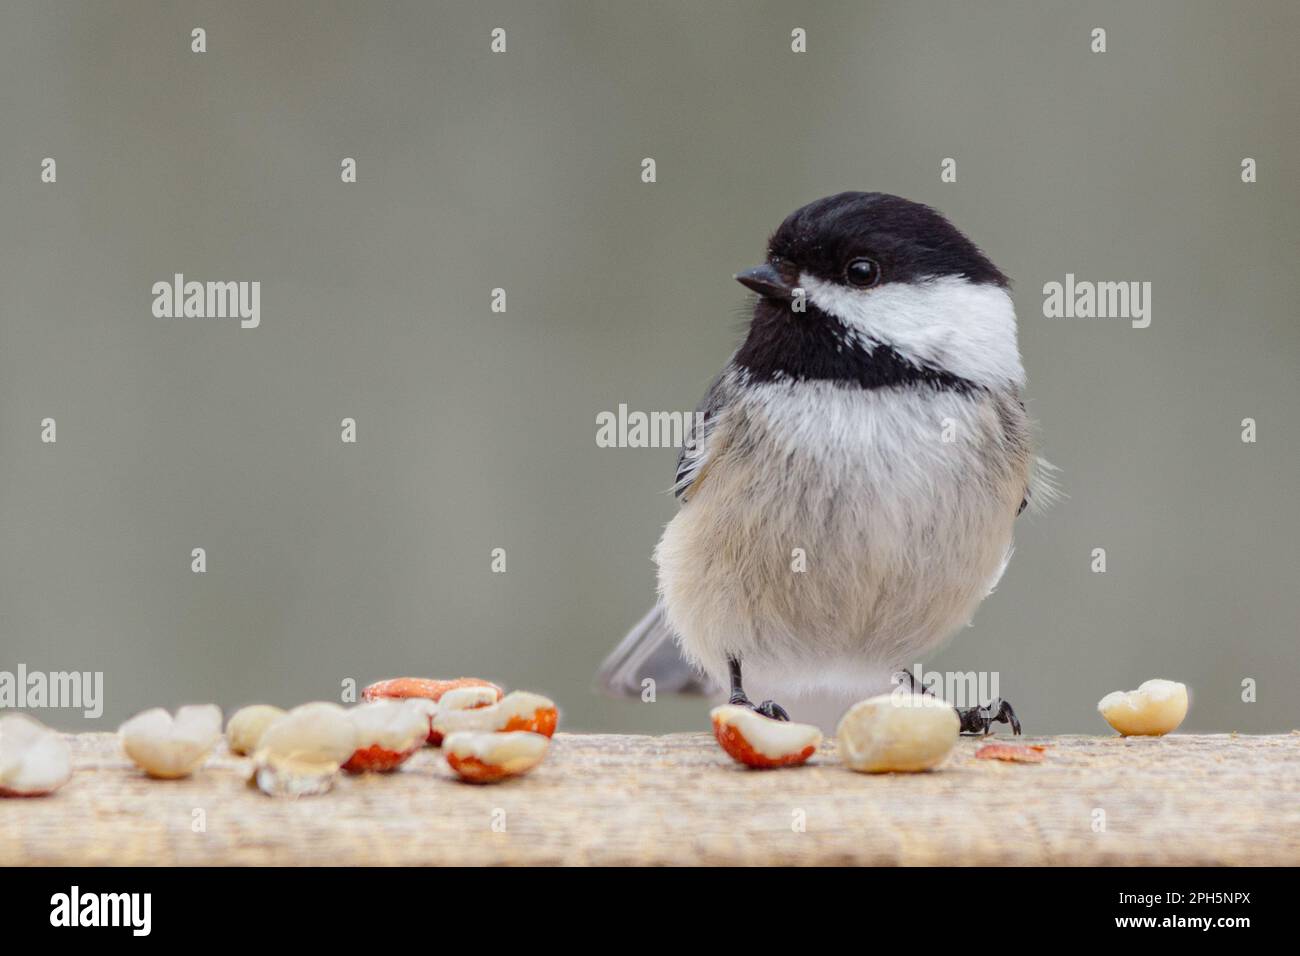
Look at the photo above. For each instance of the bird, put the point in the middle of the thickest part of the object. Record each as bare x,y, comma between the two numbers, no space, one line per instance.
850,494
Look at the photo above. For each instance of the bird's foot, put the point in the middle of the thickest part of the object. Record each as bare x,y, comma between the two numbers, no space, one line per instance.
978,720
769,708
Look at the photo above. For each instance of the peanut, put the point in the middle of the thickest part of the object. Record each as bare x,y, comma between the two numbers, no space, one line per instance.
1154,709
897,732
761,742
301,752
388,733
34,760
248,724
488,757
169,747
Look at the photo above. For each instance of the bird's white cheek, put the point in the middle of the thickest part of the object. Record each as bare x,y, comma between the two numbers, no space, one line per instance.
950,323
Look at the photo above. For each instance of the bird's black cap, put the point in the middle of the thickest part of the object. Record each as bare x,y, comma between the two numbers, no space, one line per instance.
909,240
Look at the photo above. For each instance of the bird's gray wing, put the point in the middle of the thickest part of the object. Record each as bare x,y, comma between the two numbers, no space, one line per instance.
694,458
649,651
1040,489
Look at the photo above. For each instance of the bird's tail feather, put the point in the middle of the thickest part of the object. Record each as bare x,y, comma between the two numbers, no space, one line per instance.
649,651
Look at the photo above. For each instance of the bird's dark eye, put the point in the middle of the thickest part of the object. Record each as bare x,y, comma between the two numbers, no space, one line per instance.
863,273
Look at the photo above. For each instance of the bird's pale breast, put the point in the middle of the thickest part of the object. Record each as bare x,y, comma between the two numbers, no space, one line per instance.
838,533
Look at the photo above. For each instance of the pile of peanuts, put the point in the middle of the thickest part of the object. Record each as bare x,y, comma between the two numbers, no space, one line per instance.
905,732
485,735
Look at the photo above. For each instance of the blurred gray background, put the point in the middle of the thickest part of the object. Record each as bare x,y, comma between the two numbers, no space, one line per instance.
329,561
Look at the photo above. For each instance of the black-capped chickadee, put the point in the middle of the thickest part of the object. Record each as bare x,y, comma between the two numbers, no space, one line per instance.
850,498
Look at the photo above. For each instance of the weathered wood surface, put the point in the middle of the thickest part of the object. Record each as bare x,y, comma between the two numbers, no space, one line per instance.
677,799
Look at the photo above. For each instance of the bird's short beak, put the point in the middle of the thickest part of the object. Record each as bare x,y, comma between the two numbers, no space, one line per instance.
766,281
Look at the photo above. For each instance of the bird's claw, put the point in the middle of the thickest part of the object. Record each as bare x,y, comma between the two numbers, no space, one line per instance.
979,720
769,708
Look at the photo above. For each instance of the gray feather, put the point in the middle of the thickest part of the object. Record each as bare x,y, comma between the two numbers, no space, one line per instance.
649,650
694,454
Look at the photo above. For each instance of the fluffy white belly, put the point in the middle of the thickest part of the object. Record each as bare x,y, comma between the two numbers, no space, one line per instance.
835,533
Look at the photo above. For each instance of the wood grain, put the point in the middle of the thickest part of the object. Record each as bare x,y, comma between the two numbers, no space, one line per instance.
676,799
